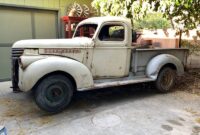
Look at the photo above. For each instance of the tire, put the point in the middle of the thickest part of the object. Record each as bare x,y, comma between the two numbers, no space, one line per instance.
166,80
54,93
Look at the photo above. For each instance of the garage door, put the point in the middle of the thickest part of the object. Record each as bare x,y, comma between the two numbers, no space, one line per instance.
19,23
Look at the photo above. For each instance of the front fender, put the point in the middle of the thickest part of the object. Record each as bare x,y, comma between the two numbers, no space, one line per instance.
38,69
155,65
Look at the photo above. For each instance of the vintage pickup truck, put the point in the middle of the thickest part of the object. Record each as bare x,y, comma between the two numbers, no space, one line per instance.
101,54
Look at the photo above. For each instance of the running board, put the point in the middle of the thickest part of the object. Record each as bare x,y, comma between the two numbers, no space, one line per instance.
104,83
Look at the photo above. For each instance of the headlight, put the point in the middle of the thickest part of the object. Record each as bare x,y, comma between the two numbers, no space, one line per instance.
25,61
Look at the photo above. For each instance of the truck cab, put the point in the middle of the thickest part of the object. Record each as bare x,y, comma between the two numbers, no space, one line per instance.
101,54
111,51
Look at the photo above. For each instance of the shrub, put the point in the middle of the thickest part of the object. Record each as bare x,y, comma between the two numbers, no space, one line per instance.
152,21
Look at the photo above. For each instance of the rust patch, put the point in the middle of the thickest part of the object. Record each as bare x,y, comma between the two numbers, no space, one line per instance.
87,55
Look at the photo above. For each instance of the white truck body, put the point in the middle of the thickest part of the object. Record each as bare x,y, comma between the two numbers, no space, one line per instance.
92,62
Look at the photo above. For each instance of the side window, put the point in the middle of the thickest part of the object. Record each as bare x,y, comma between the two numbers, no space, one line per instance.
112,33
86,30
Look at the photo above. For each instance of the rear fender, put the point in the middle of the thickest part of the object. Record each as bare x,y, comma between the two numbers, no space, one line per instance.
156,63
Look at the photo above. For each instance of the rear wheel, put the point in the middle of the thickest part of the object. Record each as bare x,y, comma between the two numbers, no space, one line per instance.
166,79
54,93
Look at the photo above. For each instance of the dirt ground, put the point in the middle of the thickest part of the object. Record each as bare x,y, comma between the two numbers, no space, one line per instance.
190,82
127,110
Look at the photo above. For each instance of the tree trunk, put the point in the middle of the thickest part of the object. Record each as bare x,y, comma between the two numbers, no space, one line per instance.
180,37
172,23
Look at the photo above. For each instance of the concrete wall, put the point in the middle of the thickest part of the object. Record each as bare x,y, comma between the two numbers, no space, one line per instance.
56,4
193,61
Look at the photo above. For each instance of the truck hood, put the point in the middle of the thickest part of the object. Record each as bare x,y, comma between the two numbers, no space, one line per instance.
54,43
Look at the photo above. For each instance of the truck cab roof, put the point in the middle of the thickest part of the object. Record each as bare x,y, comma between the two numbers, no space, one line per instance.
101,20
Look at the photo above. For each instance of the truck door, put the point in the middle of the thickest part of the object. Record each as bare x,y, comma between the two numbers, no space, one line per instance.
111,55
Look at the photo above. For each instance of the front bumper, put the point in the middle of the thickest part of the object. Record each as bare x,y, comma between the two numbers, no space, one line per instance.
16,53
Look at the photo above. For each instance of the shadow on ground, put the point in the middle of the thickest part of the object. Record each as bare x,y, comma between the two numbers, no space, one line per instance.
114,95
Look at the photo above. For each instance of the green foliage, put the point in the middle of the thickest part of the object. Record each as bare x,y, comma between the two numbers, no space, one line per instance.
185,13
152,21
133,9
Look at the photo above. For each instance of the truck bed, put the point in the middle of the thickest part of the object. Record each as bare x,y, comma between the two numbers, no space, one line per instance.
141,57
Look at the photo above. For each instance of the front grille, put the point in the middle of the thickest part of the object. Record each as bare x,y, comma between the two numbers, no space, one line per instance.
16,53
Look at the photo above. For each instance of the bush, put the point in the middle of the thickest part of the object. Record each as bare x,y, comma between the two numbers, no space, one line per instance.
152,21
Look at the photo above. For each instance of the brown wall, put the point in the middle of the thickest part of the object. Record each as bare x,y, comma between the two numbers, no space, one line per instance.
166,39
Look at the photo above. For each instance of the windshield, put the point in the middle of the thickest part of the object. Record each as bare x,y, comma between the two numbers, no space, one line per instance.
86,30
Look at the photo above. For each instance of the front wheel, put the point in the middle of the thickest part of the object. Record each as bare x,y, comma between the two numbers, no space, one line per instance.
166,79
54,93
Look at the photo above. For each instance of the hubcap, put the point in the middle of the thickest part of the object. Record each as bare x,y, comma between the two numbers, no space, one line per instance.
55,93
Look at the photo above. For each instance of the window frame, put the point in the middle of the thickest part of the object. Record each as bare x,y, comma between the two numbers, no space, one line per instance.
113,43
109,38
74,35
